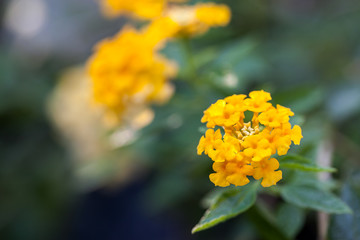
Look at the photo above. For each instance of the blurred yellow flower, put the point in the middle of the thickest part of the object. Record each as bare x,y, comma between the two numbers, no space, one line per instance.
213,14
128,73
77,119
143,9
191,20
245,148
80,125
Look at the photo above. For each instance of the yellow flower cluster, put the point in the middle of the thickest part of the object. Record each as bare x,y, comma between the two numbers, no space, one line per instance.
192,20
189,20
126,71
241,149
143,9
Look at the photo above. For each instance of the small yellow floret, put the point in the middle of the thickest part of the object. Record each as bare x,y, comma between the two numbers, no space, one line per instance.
266,170
208,142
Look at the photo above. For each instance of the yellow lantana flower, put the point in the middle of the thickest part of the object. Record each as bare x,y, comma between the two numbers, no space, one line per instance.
245,148
127,72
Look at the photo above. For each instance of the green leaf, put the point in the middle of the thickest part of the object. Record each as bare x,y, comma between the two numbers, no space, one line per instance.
303,164
290,219
265,223
308,196
230,204
213,196
306,167
293,157
301,178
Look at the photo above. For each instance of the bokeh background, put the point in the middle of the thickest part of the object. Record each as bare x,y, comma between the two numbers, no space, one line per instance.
56,180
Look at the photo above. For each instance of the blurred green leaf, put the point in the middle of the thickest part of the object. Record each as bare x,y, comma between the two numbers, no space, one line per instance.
239,58
344,102
230,204
303,178
290,219
204,57
174,51
235,52
310,196
347,227
301,99
265,222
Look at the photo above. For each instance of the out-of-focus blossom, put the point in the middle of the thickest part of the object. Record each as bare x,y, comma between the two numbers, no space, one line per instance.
190,20
143,9
91,142
127,73
77,119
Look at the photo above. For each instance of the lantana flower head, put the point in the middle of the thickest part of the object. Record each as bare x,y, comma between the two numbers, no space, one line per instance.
241,148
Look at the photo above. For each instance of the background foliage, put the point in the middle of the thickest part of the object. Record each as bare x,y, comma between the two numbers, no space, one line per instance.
306,53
